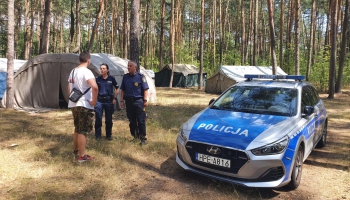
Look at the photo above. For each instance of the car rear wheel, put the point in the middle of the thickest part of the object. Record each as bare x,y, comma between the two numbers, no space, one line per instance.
297,169
323,141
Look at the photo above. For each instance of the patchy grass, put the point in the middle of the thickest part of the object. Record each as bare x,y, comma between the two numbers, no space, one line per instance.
37,160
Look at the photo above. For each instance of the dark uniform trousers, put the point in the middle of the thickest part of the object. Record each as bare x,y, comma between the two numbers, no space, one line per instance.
137,117
108,107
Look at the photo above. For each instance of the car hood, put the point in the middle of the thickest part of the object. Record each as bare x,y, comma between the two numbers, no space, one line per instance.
232,129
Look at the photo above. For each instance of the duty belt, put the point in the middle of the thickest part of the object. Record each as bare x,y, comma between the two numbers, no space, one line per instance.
103,99
132,98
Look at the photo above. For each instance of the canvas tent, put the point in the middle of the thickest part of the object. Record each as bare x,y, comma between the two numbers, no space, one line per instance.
227,76
3,72
184,76
42,82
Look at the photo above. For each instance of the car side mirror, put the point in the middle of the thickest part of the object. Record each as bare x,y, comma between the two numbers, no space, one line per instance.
308,110
211,101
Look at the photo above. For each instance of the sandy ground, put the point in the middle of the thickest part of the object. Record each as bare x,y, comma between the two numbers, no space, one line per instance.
326,173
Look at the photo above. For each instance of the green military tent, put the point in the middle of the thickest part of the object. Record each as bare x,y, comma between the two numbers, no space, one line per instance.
42,81
184,76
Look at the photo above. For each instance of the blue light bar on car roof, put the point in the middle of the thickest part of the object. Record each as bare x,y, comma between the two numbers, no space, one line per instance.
259,76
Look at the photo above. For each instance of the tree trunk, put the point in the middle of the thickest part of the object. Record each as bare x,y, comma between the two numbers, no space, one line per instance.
114,26
54,34
255,42
287,56
145,42
105,34
272,36
172,39
88,18
18,27
224,24
134,32
44,44
243,33
61,36
250,38
202,48
97,22
161,37
338,85
10,53
213,29
311,46
263,51
281,34
333,37
297,36
39,25
221,36
27,26
78,22
327,36
31,33
125,31
72,20
178,24
152,39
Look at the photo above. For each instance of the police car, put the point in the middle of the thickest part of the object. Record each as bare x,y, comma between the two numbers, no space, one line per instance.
257,133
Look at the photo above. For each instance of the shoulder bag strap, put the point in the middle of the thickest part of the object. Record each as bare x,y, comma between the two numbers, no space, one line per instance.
86,90
73,76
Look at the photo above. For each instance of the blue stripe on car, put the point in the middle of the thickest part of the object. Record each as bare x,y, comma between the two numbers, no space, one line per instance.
307,131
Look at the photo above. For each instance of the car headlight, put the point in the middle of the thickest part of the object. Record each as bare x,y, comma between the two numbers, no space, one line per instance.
182,134
274,148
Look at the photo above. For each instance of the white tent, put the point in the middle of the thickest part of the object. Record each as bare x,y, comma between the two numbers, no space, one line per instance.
3,72
42,82
227,76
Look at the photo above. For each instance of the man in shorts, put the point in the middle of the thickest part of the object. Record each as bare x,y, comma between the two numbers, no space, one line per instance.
83,110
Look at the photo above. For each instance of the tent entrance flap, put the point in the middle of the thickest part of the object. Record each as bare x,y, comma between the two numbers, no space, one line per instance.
62,102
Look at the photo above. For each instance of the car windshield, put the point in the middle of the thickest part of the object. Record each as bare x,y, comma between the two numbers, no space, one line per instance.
263,100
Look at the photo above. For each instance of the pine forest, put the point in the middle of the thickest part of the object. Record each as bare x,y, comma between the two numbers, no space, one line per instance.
306,37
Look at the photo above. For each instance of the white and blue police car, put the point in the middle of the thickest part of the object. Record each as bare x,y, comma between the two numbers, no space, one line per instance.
257,133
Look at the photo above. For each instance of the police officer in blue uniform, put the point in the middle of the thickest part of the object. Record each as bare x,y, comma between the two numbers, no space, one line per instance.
106,99
134,93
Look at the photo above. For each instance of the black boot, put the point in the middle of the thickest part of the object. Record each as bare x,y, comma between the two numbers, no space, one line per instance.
143,140
135,135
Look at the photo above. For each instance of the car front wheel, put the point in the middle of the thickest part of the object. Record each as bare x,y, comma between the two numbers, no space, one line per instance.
297,169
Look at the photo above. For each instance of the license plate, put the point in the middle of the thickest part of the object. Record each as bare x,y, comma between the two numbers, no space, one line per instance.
213,160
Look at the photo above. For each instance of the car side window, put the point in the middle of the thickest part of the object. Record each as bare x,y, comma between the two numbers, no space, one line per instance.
314,95
305,98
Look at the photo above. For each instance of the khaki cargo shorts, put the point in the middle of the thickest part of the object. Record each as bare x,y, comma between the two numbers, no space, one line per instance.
83,119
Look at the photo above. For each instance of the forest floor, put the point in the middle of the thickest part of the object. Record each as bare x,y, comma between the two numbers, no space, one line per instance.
37,162
326,172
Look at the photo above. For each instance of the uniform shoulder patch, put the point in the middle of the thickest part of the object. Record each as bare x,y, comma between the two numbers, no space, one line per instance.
144,79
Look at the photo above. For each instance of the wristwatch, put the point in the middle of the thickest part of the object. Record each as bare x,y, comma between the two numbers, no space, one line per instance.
115,98
145,100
